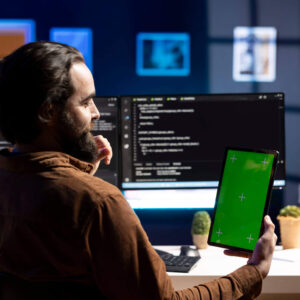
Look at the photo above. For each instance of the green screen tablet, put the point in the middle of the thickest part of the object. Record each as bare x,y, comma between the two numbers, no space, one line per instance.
243,198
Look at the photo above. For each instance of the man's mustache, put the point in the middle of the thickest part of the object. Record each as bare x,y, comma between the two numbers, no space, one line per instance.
92,125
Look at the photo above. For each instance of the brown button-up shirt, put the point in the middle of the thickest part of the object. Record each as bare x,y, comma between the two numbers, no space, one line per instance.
60,224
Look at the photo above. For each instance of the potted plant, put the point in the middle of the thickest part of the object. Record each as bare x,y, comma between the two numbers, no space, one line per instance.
289,220
200,229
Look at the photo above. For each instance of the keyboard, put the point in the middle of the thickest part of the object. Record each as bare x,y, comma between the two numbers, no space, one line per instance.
177,263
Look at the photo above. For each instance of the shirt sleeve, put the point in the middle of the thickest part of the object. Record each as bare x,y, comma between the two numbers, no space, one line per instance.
125,266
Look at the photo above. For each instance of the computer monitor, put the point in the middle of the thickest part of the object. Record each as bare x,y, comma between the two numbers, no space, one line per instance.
107,126
173,145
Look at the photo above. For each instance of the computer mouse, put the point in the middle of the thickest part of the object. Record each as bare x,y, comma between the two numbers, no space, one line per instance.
189,251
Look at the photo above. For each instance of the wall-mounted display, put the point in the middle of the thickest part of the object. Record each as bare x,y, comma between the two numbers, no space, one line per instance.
254,54
80,38
163,54
15,33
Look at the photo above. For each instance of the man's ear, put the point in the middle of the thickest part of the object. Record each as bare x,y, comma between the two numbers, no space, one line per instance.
46,114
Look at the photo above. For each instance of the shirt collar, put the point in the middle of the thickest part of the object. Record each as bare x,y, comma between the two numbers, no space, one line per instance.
35,161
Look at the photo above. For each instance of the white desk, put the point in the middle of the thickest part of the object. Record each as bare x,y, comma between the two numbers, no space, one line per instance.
283,281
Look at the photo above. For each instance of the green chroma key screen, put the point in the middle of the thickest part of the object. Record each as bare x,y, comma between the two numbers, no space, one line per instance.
241,199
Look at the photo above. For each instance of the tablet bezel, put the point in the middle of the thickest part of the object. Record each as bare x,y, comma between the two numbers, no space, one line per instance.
268,196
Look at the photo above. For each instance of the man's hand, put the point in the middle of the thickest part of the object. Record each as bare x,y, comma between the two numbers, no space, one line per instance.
104,152
263,251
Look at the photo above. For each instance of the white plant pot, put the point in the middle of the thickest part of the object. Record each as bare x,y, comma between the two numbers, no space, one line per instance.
200,240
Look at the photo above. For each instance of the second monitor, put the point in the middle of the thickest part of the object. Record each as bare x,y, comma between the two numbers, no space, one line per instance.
171,142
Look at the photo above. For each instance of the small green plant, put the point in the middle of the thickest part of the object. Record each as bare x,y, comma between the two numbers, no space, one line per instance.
291,211
201,223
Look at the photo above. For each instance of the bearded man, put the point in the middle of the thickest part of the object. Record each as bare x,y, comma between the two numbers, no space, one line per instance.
65,234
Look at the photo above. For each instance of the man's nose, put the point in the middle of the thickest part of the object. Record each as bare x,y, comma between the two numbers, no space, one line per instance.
95,112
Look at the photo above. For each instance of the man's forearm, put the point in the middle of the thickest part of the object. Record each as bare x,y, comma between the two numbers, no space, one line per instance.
244,283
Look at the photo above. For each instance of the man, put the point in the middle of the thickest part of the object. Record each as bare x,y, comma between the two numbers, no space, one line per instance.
60,226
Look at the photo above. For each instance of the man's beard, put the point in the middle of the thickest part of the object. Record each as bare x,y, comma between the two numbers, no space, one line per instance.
77,144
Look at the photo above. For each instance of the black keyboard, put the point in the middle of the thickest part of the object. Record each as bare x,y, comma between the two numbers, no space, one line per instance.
177,263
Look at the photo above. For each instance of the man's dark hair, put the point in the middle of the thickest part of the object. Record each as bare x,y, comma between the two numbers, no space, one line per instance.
34,76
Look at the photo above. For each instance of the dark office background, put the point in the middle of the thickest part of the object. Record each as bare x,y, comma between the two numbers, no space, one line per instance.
210,24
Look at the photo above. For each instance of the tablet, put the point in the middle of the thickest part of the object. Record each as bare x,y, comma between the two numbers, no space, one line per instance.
243,198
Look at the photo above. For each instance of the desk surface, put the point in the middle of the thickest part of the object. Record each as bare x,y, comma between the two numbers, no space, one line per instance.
283,278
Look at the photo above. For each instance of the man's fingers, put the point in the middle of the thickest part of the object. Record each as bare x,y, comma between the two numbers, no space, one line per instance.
268,224
269,229
101,141
105,154
104,148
